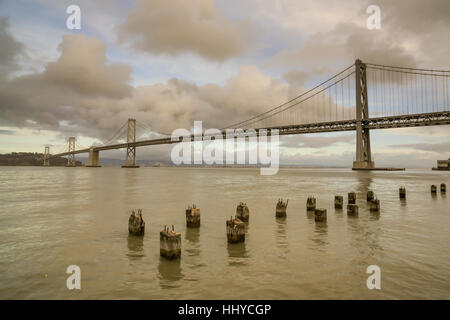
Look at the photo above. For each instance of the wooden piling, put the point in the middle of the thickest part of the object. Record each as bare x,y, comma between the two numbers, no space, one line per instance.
320,215
242,212
433,189
351,198
170,243
352,210
370,195
443,187
235,230
280,209
193,217
136,224
311,204
338,202
375,205
402,192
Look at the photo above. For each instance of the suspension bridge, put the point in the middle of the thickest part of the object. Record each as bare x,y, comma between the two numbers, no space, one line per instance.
398,97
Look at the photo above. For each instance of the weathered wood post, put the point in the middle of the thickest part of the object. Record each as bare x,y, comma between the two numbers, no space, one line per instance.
320,215
351,198
443,187
280,210
352,210
193,217
136,224
433,189
370,195
235,230
311,204
170,243
375,205
242,212
402,192
338,202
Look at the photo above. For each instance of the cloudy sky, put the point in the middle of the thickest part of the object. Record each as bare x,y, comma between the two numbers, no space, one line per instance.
170,62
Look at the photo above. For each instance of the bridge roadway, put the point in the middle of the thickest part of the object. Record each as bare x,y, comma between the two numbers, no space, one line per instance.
389,122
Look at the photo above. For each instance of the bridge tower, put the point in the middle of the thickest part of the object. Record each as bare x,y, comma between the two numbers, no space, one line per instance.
131,147
363,153
47,156
71,155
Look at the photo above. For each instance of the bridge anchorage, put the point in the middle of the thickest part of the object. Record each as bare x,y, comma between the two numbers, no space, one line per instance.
398,97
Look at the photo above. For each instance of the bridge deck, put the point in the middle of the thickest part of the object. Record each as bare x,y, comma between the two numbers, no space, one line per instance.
400,121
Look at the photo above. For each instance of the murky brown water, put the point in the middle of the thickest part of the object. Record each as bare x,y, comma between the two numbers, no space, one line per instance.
51,218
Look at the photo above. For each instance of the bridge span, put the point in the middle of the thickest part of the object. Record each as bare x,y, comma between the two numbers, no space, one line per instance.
399,97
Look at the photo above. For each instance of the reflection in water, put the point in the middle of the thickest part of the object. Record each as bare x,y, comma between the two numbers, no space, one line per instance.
192,237
192,234
281,233
282,242
403,202
135,246
374,215
364,183
130,185
169,272
310,214
320,237
237,250
364,238
237,254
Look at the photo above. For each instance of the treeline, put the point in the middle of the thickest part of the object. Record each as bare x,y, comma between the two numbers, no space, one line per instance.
30,159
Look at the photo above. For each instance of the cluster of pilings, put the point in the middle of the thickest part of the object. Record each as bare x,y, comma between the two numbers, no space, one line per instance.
443,189
352,207
433,190
170,240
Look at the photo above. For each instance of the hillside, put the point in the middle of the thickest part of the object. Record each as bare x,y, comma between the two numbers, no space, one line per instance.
30,159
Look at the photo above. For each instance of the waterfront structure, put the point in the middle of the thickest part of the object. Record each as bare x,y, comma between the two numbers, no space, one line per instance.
442,165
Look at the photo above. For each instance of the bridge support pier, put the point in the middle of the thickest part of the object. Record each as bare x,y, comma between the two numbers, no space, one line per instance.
94,158
131,147
71,155
47,156
363,153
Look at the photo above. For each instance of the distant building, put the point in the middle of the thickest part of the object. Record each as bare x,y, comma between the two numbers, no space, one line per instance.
443,165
